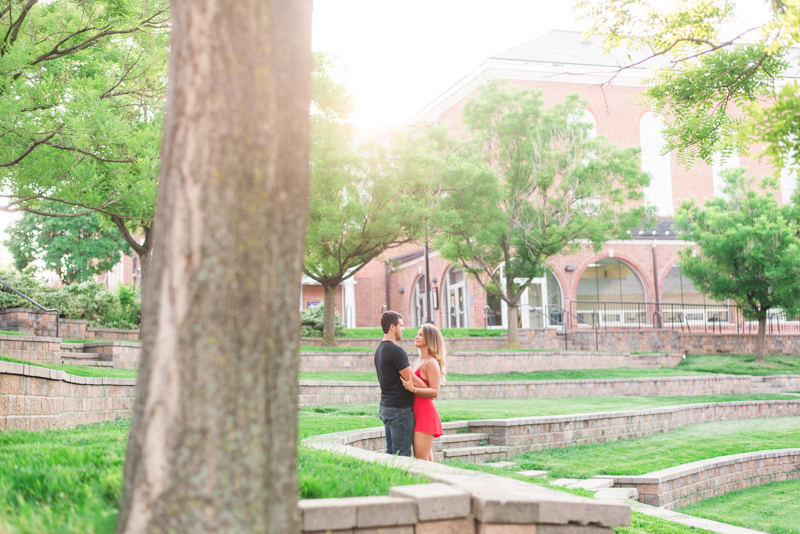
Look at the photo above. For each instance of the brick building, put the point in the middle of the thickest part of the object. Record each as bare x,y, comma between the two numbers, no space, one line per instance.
640,270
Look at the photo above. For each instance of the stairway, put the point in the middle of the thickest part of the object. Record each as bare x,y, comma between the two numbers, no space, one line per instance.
458,443
758,384
72,354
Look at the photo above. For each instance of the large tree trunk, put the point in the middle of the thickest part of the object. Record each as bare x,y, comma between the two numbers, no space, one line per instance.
214,435
329,320
761,339
513,327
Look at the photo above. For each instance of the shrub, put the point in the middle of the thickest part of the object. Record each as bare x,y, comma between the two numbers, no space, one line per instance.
311,322
89,300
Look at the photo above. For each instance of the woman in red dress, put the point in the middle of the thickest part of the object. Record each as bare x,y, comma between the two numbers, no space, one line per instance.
427,376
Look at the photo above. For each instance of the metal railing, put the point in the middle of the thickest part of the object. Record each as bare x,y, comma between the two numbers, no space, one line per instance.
49,310
707,318
556,315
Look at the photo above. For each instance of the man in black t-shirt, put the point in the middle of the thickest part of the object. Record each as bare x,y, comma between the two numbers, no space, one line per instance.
397,403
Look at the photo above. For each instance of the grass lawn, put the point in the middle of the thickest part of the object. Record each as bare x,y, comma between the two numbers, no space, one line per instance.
13,333
80,370
69,481
741,364
773,508
567,374
651,453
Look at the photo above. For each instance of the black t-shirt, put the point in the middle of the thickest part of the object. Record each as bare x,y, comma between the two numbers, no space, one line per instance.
389,359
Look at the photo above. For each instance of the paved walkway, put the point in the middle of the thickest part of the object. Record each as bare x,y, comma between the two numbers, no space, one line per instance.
620,495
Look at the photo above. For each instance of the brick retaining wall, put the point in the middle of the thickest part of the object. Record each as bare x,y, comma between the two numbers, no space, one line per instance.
320,393
124,354
39,349
622,340
525,434
473,363
35,398
682,485
37,323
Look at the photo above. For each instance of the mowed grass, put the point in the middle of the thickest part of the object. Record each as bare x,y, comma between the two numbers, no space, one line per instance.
741,364
325,419
651,453
567,374
79,370
62,480
773,508
69,481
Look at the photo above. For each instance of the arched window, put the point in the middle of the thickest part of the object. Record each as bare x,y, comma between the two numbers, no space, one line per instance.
677,289
610,280
610,292
539,307
456,312
419,301
659,192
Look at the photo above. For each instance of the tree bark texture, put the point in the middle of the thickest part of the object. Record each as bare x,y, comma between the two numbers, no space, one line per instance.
329,319
512,340
761,338
213,441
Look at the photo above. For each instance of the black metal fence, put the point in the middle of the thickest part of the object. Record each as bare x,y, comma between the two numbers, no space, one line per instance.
707,318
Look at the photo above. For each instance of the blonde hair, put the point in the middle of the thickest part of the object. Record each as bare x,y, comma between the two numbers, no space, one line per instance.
434,340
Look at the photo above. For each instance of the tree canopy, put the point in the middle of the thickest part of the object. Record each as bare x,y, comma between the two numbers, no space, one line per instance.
365,197
532,182
723,86
82,89
747,249
74,247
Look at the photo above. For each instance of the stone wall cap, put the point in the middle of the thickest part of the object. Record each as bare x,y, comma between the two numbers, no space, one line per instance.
12,337
436,501
384,511
120,330
327,514
110,343
679,471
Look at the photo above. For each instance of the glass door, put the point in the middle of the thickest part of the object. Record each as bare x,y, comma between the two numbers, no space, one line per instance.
456,299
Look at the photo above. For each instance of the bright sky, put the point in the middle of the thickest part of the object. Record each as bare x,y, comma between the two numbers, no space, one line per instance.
401,54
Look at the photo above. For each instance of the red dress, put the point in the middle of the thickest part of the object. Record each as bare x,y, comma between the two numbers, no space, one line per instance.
426,416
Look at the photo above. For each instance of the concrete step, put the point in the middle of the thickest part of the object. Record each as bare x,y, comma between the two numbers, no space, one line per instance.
477,455
453,427
450,441
84,356
88,363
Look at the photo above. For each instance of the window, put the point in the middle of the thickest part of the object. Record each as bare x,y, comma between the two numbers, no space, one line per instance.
659,192
419,301
455,295
610,280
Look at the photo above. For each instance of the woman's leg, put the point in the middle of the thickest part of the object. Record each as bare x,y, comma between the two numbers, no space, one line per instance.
423,446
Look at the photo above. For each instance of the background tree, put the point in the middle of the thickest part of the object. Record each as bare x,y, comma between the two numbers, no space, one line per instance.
81,104
747,250
74,247
363,199
531,184
722,87
213,444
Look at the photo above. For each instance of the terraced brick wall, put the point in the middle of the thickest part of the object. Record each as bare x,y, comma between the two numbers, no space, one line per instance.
474,363
36,323
37,349
35,398
319,393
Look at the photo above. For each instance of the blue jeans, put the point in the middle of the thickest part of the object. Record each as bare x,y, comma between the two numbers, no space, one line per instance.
399,425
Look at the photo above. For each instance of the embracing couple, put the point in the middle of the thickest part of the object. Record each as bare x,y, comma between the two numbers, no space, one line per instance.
407,392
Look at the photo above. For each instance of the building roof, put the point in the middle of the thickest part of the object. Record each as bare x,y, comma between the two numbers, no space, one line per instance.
664,228
569,48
